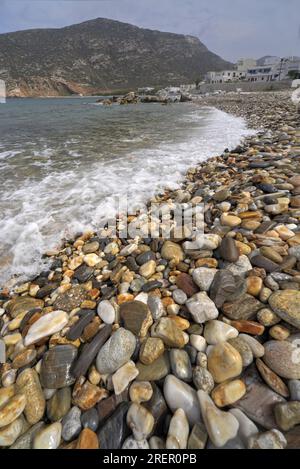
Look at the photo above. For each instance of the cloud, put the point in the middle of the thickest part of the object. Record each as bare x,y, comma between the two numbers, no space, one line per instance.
231,28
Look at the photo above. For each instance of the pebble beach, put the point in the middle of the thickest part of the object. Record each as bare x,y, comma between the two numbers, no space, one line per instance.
153,343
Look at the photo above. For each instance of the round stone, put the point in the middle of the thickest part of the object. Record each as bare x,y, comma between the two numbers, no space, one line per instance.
283,358
71,424
224,362
106,312
172,252
203,379
90,419
116,351
229,392
140,391
217,331
48,437
286,304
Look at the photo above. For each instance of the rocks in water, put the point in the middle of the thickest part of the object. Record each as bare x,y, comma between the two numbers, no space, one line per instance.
89,352
71,424
106,312
286,304
56,367
224,362
178,431
28,383
202,308
48,437
151,349
137,317
180,395
228,393
170,334
123,376
272,380
203,277
228,250
140,421
59,404
218,331
221,426
287,415
272,439
181,364
279,357
116,351
12,409
172,252
47,325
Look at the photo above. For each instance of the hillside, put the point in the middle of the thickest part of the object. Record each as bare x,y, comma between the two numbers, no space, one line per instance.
100,56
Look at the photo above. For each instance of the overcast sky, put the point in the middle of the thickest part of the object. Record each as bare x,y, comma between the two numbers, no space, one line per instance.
231,28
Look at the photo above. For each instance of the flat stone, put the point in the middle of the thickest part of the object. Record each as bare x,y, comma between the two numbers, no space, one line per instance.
202,308
2,351
172,252
228,392
244,308
90,419
198,437
140,391
264,263
281,357
25,441
179,296
180,395
12,409
169,333
203,379
137,317
228,250
287,415
286,304
158,408
186,283
240,267
59,404
123,376
6,393
47,325
226,287
87,440
294,388
116,351
272,439
115,430
203,277
77,329
181,364
244,350
155,371
71,424
87,395
106,312
271,254
82,274
23,304
91,247
217,331
224,362
198,342
209,241
72,298
90,351
246,427
249,327
56,367
106,407
11,432
272,380
221,426
23,358
151,349
257,348
145,257
259,400
28,383
178,431
140,421
48,437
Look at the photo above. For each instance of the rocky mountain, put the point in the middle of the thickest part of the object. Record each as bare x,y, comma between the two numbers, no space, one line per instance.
100,56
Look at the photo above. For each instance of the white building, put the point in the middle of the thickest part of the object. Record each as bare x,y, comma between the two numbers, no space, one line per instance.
244,64
225,76
262,73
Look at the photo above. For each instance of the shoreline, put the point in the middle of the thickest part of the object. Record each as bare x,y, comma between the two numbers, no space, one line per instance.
129,321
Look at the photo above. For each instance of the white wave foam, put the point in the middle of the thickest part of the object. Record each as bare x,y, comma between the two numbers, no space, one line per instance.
66,202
